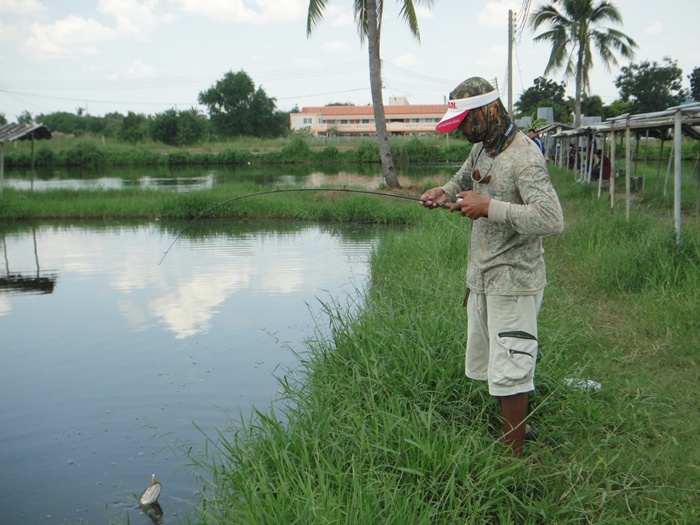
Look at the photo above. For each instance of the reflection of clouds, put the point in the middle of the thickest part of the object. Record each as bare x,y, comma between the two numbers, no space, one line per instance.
110,183
5,306
282,283
135,315
134,273
185,292
189,307
343,179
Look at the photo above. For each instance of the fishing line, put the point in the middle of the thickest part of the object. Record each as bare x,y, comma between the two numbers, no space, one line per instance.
239,197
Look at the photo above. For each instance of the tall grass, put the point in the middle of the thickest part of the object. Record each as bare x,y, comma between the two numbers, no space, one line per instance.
381,426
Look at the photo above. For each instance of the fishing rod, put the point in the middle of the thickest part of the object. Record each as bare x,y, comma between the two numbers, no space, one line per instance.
268,192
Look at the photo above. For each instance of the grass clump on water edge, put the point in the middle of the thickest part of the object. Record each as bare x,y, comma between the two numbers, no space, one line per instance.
381,426
322,204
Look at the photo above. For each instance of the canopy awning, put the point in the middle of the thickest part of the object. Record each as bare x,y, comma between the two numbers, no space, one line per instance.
659,123
12,132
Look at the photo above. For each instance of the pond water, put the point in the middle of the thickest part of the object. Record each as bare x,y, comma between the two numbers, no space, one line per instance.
188,178
109,359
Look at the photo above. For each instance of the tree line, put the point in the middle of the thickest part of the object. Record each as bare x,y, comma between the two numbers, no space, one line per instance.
236,107
643,88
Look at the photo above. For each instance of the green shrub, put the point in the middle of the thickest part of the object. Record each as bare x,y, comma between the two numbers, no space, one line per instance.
227,156
417,150
84,153
328,154
45,156
368,151
179,158
457,151
296,150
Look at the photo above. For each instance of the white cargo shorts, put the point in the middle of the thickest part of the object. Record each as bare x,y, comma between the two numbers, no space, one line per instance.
502,341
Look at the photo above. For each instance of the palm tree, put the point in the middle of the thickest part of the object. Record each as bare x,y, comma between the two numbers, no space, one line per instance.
573,31
368,15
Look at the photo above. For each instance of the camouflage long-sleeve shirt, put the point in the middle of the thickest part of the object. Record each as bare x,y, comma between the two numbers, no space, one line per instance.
505,253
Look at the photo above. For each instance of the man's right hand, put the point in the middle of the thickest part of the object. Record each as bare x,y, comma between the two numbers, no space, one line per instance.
433,198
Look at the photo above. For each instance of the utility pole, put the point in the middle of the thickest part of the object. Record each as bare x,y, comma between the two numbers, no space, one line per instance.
510,63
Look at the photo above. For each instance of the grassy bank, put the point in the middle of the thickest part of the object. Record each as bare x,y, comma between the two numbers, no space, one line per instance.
93,151
90,151
382,426
278,203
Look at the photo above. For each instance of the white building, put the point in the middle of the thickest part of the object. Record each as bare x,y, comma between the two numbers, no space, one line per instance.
401,119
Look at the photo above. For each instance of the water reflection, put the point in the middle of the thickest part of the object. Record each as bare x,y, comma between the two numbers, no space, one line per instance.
24,282
104,376
189,178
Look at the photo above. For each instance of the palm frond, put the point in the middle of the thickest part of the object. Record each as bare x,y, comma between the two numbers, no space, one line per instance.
315,15
408,14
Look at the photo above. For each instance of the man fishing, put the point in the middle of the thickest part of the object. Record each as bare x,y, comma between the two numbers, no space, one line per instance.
504,188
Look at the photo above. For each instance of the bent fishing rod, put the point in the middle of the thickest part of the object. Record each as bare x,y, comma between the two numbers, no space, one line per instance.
268,192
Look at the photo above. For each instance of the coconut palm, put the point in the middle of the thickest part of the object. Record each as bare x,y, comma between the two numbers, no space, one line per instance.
573,32
368,15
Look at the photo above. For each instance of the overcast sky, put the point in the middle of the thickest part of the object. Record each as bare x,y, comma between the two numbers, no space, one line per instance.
148,56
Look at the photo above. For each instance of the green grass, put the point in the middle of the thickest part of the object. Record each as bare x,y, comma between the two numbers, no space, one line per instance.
327,206
381,426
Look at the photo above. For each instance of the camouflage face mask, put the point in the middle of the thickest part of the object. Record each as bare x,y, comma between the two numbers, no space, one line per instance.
486,124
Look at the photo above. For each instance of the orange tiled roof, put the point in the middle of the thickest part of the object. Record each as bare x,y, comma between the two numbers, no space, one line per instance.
358,111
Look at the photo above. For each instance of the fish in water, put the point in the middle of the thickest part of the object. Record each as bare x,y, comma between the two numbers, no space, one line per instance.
150,495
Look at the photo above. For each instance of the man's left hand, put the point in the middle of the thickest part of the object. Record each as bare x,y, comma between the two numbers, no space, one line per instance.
471,205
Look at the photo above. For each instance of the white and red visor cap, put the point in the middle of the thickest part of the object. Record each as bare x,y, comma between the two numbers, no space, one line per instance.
458,109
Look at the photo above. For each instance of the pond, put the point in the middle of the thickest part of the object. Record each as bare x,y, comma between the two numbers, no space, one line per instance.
111,360
189,178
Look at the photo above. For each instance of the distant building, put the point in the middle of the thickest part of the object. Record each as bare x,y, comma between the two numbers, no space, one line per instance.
589,121
546,114
524,123
402,118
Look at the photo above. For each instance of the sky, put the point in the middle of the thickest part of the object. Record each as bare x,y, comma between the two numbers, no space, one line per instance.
148,56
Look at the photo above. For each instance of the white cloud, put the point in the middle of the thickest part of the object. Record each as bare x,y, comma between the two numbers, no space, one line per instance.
141,69
423,12
337,16
134,17
67,38
21,7
406,61
241,11
8,33
655,29
336,47
495,14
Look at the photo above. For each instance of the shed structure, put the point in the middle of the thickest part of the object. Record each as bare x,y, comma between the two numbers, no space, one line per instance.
12,132
669,124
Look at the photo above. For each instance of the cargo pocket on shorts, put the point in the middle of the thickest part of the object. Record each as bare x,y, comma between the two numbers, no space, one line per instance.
517,357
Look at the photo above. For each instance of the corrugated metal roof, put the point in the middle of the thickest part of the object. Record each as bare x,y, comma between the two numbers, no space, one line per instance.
660,121
10,132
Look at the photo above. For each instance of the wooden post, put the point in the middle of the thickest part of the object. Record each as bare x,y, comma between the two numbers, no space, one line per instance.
2,165
677,183
646,154
697,191
668,168
600,168
628,169
510,63
658,166
613,173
